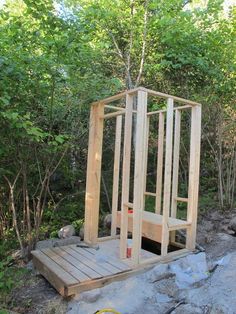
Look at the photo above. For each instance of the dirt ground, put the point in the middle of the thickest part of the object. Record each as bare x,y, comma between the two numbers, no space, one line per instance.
213,295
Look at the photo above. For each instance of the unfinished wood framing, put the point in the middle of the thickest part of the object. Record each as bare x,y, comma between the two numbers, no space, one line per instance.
194,166
160,162
116,173
92,197
167,177
131,217
126,175
139,174
72,269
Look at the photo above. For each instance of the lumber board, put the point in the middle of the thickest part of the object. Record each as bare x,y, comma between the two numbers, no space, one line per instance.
107,280
146,159
113,114
175,163
115,262
182,199
167,176
91,262
126,175
150,194
68,267
114,107
194,165
160,154
173,223
93,180
150,92
116,174
139,174
151,230
108,263
76,260
50,270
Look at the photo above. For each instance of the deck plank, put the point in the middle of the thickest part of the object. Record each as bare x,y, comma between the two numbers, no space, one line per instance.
75,272
65,253
90,262
56,275
104,264
112,261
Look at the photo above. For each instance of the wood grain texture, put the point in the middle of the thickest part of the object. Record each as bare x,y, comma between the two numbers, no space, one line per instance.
92,196
139,173
126,175
116,174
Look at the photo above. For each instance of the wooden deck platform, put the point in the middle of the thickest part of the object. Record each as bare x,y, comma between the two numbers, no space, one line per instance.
71,269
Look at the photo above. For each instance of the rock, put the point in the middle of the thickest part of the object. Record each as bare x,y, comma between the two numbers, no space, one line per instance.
45,244
56,242
67,241
81,232
162,298
159,272
188,309
168,287
107,221
189,270
91,296
29,266
232,224
66,232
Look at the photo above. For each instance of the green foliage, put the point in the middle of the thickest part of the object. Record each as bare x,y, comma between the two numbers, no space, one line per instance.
10,277
55,62
78,224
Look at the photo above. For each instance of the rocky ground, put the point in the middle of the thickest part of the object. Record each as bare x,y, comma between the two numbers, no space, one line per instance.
206,289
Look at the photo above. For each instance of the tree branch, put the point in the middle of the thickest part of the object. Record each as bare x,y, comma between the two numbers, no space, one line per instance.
144,44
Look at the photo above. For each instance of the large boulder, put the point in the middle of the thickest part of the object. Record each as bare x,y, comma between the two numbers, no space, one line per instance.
232,224
66,232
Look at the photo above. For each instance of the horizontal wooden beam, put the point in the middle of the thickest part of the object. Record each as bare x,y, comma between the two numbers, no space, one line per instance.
155,112
114,107
150,92
182,107
113,114
182,199
128,204
166,96
150,194
118,96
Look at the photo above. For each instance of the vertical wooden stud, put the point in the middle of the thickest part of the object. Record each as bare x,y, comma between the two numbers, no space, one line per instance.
175,177
139,169
92,197
146,157
126,175
167,177
175,163
116,173
194,165
160,162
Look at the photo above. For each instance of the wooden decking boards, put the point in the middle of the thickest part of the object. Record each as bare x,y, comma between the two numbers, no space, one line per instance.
67,267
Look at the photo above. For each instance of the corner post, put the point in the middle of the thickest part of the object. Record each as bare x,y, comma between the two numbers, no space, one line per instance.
194,167
92,197
126,175
139,174
167,177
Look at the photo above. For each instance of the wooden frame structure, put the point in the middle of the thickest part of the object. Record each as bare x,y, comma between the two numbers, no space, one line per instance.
162,224
75,268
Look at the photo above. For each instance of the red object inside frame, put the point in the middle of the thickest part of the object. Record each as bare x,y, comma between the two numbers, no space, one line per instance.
130,211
